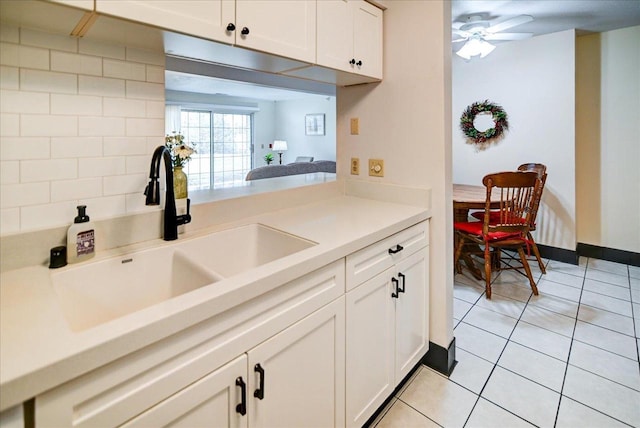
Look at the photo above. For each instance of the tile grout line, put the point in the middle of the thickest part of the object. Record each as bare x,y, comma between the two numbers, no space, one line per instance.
566,368
496,364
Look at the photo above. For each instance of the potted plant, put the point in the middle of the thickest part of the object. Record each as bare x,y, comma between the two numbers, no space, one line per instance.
268,158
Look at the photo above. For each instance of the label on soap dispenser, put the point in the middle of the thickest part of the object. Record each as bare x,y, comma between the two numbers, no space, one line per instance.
85,242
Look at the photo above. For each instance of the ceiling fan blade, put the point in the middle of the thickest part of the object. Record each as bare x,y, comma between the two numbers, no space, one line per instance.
461,33
459,40
501,26
508,36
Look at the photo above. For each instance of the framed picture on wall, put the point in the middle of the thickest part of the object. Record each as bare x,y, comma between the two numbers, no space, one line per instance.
314,124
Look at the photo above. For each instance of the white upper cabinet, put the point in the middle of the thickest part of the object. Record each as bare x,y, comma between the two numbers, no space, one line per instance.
350,36
281,27
207,19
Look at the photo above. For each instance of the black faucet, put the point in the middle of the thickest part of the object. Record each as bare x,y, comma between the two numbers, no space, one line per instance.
152,192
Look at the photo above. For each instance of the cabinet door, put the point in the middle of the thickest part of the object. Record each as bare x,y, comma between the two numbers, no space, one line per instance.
335,34
211,401
370,354
303,373
281,27
207,19
367,39
412,312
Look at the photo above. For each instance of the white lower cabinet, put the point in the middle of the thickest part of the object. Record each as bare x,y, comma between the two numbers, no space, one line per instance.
387,325
213,401
294,379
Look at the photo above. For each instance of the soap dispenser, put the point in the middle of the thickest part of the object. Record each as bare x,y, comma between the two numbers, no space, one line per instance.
81,239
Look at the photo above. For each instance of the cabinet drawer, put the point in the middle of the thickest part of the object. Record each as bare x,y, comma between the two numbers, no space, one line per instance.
376,258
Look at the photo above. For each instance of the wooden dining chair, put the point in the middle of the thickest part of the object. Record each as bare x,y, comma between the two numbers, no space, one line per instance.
541,170
510,226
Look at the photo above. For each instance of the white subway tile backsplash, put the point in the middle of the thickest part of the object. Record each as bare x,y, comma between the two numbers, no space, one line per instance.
24,56
41,39
48,81
123,107
105,207
77,105
24,102
9,33
103,86
102,49
9,172
94,126
124,70
47,170
123,184
22,148
57,214
9,125
101,167
9,221
145,90
155,109
138,164
20,195
9,54
76,63
146,56
144,127
71,190
155,74
122,146
40,125
135,203
79,120
9,77
76,147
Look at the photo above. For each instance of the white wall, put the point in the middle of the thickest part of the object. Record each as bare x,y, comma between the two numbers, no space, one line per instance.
608,139
406,120
78,121
290,126
534,81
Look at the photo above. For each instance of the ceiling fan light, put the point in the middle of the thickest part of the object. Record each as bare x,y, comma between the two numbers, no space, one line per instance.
474,47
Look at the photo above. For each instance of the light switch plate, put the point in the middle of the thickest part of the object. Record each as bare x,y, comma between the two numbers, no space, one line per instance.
376,167
355,126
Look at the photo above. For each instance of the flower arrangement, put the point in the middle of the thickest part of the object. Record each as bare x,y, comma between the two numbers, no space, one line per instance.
483,138
180,150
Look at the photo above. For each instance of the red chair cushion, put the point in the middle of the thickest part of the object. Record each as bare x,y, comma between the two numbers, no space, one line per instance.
494,216
475,228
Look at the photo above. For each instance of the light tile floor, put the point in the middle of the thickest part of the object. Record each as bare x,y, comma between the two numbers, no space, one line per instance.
568,357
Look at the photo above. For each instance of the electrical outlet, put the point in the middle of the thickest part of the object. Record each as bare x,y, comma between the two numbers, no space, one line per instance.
355,126
355,166
376,167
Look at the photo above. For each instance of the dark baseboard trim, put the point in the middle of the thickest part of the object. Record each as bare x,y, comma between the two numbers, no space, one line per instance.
610,254
558,254
441,359
401,385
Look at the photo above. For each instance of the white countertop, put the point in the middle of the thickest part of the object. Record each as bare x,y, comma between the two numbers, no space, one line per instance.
38,351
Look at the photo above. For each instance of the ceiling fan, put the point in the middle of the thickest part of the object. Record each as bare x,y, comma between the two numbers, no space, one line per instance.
475,31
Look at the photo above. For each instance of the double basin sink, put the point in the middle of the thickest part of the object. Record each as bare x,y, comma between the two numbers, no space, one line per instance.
97,292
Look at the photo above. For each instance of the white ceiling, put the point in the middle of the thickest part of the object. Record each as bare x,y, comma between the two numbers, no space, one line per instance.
551,16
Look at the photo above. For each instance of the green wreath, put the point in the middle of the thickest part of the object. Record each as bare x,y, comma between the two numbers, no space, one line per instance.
490,135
